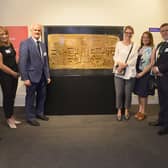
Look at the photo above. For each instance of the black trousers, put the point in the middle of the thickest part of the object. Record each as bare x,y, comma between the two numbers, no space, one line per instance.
9,87
163,100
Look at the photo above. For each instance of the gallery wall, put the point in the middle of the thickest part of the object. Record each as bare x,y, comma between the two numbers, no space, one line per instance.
141,14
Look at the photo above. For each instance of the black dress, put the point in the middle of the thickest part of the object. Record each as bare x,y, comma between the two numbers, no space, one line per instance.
8,82
142,85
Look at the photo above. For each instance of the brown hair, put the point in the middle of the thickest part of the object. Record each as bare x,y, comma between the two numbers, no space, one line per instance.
4,30
130,28
151,43
163,25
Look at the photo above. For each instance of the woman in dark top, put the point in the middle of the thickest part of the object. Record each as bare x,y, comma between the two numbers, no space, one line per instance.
143,67
8,76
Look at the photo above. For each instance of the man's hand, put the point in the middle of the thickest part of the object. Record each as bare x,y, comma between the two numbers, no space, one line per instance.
155,70
48,80
27,83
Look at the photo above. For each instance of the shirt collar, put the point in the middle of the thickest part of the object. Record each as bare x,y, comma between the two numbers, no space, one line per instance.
35,40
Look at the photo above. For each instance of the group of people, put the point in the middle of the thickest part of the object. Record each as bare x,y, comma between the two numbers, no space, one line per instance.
133,69
34,70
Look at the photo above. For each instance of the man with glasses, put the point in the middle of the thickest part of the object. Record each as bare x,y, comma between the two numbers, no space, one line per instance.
160,69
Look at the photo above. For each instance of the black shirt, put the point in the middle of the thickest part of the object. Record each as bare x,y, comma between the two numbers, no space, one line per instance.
9,57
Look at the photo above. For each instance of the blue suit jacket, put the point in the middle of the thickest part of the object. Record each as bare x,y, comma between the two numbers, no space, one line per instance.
31,64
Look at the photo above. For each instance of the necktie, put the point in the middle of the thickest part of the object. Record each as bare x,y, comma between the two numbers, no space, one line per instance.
39,50
38,47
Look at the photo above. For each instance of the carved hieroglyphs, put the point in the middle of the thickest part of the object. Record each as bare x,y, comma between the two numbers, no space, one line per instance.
81,51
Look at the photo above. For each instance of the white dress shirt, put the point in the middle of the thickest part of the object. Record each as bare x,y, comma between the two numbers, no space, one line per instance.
35,40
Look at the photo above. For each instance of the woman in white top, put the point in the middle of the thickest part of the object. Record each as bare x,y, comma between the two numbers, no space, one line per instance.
125,71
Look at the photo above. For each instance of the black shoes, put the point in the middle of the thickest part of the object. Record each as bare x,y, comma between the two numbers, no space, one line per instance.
42,117
155,123
163,131
33,122
126,116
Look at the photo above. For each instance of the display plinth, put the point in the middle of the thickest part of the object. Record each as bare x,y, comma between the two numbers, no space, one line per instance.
81,92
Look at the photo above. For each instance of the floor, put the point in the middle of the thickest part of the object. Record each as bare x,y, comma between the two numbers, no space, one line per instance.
90,141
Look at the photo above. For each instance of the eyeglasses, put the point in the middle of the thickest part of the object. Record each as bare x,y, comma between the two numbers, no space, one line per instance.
163,31
128,33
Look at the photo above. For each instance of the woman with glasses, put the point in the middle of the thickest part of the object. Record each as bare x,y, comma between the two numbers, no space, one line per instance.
8,76
124,72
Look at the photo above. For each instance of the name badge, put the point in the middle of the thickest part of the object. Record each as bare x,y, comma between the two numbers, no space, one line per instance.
45,54
166,50
8,51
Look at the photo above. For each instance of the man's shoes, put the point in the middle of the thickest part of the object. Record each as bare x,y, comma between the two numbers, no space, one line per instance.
163,131
155,123
42,117
33,122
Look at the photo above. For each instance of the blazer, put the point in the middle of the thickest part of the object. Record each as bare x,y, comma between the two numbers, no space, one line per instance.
31,63
162,58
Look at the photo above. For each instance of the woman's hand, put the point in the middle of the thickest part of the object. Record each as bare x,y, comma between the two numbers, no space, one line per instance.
15,74
139,75
121,66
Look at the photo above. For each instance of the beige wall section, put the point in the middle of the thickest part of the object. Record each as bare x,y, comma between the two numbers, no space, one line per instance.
141,14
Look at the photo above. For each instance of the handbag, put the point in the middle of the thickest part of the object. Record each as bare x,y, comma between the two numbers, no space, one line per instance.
122,73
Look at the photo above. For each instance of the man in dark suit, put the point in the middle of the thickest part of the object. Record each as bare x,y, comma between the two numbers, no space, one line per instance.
160,69
34,70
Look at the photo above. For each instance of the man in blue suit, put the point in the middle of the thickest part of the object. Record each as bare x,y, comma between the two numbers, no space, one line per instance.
34,70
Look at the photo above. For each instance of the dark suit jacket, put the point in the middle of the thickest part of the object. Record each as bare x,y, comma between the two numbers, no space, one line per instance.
31,64
162,60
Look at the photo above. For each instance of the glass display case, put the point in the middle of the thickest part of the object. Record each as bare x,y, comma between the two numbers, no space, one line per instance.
81,62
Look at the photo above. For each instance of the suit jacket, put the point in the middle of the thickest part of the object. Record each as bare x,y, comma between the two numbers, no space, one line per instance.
162,58
31,63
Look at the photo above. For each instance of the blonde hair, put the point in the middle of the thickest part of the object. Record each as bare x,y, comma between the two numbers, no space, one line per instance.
4,30
130,28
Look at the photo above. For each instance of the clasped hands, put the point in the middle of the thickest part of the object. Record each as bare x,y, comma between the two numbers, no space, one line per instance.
121,66
156,71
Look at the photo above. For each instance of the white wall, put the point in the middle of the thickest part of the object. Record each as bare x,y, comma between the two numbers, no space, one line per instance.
141,14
